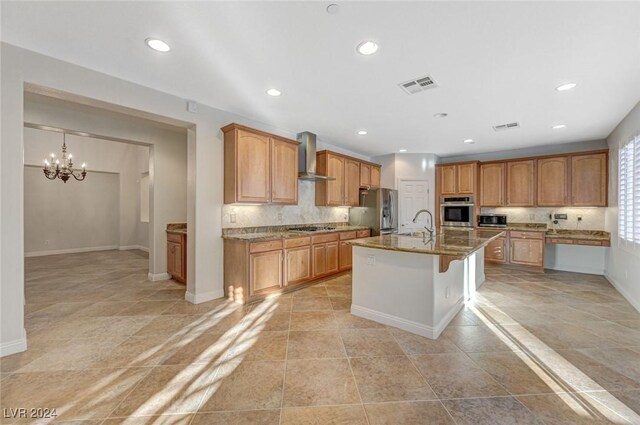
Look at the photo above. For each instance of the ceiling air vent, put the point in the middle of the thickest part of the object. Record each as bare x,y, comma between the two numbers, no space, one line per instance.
508,126
418,85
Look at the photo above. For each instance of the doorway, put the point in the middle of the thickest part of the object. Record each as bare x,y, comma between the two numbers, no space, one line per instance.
413,195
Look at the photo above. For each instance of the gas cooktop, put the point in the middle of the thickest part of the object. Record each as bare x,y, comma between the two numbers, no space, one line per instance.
311,229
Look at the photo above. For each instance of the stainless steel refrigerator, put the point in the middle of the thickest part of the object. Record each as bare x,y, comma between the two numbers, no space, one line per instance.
378,210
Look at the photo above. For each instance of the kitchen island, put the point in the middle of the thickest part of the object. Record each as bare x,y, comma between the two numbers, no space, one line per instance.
417,283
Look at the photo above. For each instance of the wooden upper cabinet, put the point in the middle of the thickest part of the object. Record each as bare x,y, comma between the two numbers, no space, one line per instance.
466,179
521,183
448,180
256,164
284,172
375,176
351,182
589,180
335,188
553,181
492,184
365,175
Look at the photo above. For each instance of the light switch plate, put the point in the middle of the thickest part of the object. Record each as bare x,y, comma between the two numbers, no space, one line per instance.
232,218
371,260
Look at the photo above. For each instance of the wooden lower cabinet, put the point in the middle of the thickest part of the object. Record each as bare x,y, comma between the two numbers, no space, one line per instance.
528,252
496,251
298,265
177,256
252,270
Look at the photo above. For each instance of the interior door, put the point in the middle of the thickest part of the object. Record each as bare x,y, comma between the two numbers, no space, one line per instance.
413,195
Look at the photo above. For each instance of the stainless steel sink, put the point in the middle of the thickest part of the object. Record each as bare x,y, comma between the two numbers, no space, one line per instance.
417,234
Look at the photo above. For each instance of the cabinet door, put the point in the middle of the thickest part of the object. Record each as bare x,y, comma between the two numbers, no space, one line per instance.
352,182
253,168
298,265
528,252
492,185
466,179
553,174
346,258
173,255
333,257
589,180
319,260
375,176
521,183
448,180
365,175
495,251
284,172
265,271
335,188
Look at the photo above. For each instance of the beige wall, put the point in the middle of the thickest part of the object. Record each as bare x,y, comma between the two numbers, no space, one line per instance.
72,216
623,260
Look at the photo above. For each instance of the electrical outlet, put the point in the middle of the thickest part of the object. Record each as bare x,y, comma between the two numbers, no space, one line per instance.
280,217
371,260
232,218
579,218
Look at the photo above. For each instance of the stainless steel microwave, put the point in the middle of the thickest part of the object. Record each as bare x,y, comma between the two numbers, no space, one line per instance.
457,211
492,220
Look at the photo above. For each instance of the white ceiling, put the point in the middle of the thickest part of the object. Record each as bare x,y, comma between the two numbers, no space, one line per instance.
495,62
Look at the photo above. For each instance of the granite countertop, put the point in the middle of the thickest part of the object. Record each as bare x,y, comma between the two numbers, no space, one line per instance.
177,228
287,234
527,227
457,243
593,235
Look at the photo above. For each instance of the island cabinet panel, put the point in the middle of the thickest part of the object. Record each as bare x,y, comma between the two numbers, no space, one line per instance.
375,176
526,248
496,251
447,178
492,184
298,265
365,175
553,181
589,180
351,182
284,175
266,271
521,183
466,178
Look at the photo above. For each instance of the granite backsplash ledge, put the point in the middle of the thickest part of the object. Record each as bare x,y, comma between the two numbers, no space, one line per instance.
279,228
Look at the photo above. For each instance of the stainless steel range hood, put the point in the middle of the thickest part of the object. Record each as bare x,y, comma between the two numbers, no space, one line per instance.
307,158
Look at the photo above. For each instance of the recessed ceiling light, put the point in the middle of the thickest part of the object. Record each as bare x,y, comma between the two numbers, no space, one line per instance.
559,126
362,132
440,115
402,150
367,48
157,45
567,86
468,141
274,92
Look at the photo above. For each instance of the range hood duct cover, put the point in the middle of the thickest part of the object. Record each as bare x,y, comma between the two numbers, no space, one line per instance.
307,158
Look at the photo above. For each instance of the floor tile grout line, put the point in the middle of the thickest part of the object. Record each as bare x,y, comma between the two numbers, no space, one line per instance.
286,363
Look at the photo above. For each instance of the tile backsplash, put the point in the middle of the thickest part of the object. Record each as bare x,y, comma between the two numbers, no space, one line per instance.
305,212
592,218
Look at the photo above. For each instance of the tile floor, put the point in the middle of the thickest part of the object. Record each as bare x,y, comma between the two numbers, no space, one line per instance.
108,347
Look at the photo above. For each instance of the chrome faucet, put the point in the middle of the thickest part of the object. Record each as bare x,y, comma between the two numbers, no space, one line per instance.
428,229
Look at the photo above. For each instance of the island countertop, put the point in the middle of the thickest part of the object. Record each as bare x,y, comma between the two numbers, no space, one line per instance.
451,242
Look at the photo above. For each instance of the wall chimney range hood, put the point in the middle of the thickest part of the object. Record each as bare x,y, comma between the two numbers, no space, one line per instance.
307,158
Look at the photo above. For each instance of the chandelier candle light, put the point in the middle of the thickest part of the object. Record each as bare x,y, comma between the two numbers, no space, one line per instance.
63,168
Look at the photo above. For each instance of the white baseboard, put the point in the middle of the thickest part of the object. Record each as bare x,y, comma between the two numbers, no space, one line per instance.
407,325
158,276
623,292
13,347
132,247
70,251
202,298
480,281
583,268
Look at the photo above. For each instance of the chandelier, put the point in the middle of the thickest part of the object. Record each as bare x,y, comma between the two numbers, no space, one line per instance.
63,168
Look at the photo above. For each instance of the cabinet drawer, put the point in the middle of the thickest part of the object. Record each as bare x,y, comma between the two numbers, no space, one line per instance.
265,246
585,242
294,243
345,236
174,237
526,235
363,233
331,237
562,241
